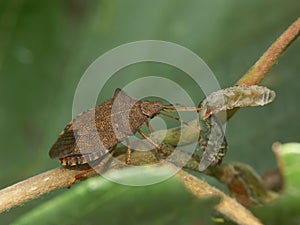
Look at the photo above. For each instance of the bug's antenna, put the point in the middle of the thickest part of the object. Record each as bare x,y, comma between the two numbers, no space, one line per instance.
181,105
180,120
182,109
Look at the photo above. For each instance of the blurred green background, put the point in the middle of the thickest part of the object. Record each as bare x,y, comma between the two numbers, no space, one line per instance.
45,47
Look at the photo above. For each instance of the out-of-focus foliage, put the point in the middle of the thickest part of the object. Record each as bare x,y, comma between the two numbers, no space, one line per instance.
285,210
45,46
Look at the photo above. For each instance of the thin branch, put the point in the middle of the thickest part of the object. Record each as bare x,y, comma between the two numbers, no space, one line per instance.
61,177
34,187
259,70
228,206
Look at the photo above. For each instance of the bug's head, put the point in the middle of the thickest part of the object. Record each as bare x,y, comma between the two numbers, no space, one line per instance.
151,109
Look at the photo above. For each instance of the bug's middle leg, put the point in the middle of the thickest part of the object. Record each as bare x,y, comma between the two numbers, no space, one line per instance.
128,152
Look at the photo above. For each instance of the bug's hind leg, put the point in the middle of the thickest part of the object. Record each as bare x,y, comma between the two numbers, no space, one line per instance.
100,164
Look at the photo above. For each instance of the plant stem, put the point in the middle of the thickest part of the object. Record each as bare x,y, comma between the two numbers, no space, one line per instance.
61,177
259,70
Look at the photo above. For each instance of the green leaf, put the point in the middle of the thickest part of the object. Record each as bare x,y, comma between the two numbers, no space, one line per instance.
285,210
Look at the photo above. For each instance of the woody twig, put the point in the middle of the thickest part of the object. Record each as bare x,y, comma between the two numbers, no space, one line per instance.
61,177
259,70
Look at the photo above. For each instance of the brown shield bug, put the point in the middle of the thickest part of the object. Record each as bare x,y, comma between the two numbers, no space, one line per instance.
112,122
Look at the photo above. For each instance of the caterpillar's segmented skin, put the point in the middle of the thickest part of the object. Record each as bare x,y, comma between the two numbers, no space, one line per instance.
236,97
212,139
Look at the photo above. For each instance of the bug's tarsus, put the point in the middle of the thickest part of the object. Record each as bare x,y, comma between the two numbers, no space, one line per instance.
77,176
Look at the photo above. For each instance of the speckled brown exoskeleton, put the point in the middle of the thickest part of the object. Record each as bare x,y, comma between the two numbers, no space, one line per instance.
111,122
